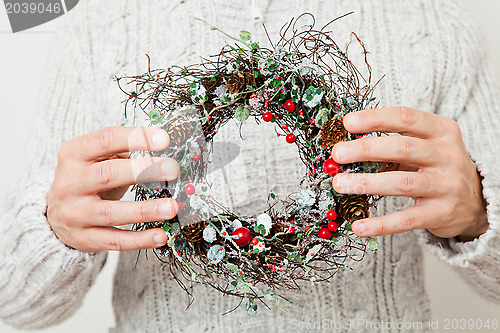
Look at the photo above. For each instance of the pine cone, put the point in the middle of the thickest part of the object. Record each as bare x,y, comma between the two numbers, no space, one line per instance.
193,228
353,208
277,228
237,82
333,131
178,130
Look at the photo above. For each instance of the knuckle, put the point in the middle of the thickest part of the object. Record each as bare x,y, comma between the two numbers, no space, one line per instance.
454,127
382,229
406,184
114,244
105,137
408,222
448,210
142,213
406,146
66,216
362,184
106,216
61,189
408,116
365,148
103,173
62,153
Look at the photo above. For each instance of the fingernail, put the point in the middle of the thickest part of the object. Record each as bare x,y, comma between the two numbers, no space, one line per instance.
158,239
352,119
165,208
159,139
341,151
169,169
360,226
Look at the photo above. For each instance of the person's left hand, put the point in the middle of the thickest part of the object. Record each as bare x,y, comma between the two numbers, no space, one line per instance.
435,169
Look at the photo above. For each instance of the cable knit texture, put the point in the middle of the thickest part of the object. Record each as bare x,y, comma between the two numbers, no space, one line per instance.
433,61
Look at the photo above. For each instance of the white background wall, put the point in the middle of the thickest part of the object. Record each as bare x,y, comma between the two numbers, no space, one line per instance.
23,55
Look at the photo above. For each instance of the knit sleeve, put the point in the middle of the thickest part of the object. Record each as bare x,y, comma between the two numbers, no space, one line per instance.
43,281
472,93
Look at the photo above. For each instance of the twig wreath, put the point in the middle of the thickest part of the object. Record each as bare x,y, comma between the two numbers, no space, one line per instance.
304,85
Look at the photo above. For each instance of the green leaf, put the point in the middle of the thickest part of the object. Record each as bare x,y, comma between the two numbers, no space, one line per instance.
326,184
255,74
192,85
213,78
255,46
372,244
242,113
234,283
312,252
156,116
294,257
232,267
245,35
272,195
166,227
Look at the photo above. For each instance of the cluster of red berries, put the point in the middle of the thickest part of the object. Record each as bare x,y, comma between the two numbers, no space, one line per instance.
325,232
290,107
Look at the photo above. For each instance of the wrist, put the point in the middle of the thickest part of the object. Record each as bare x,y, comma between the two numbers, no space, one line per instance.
479,228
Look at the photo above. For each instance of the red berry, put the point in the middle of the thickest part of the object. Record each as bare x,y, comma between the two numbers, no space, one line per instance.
332,225
324,233
289,105
267,116
290,138
180,205
306,228
331,168
196,158
244,236
331,215
255,241
189,189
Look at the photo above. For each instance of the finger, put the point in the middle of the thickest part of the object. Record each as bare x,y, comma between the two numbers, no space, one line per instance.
415,217
116,213
113,140
392,183
110,174
114,239
402,120
394,148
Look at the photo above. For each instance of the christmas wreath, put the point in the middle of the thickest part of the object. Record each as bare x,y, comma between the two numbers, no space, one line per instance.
303,86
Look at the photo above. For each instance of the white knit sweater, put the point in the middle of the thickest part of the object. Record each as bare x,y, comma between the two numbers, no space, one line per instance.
434,61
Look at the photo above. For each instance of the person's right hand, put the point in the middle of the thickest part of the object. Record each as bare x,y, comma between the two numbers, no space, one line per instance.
92,173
